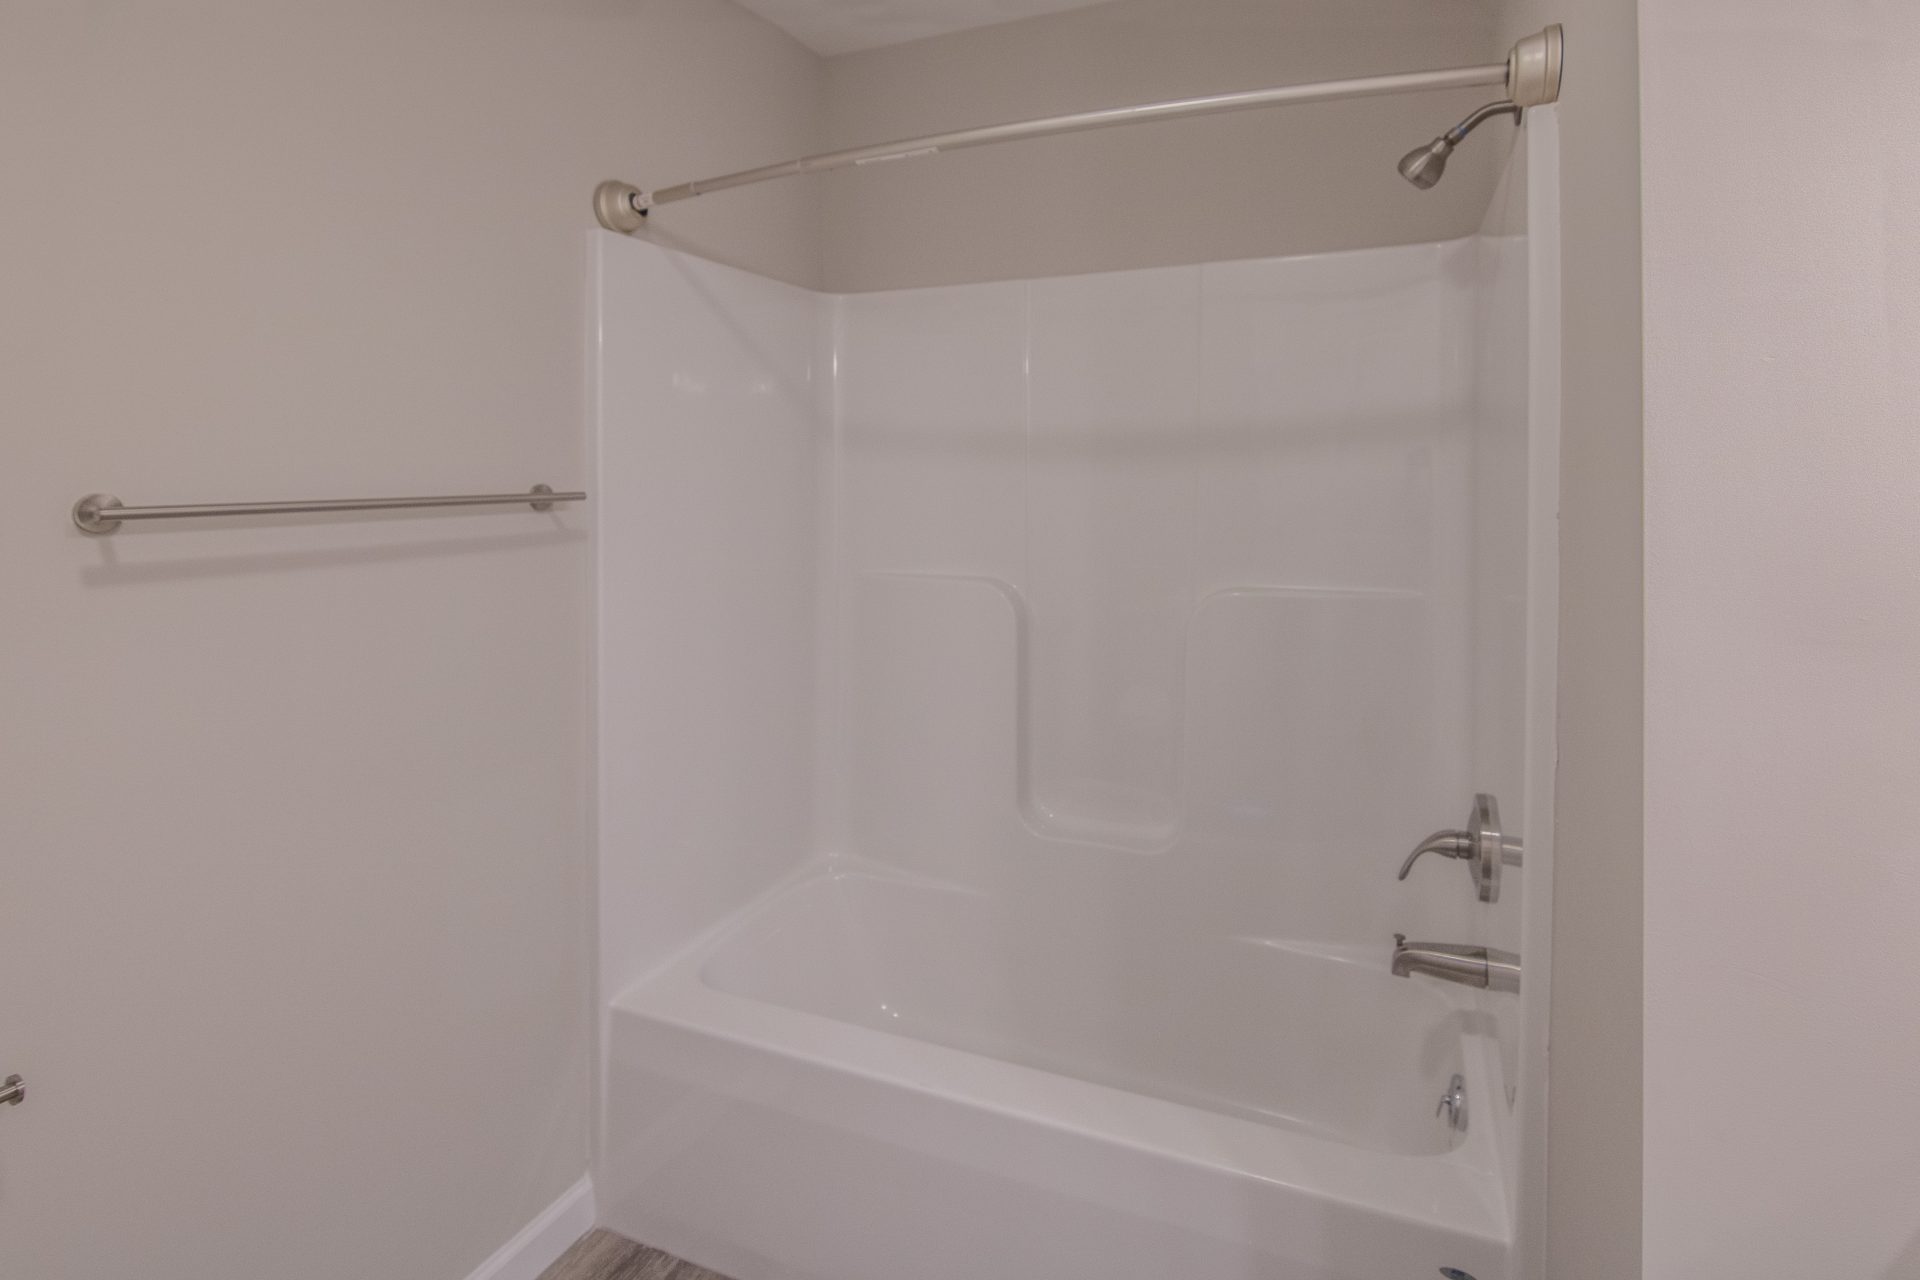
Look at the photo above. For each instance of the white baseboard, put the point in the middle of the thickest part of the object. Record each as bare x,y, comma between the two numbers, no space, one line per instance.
536,1246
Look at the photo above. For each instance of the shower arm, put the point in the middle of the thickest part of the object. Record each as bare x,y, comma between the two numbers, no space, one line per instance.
1480,117
1531,76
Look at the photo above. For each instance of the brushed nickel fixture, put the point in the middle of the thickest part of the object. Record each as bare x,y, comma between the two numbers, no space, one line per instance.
1424,166
1533,79
102,513
13,1091
1531,76
1454,1103
1480,846
1486,967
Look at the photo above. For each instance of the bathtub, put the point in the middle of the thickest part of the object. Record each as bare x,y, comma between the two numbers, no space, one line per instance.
867,1076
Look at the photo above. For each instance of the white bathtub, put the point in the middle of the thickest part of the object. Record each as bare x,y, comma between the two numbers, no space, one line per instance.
868,1077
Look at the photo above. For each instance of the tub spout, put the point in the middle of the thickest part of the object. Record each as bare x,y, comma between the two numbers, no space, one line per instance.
1484,967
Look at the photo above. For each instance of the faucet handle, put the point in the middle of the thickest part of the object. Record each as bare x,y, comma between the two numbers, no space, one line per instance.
1480,845
1448,844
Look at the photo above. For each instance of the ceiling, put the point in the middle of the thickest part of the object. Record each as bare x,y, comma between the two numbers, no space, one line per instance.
843,26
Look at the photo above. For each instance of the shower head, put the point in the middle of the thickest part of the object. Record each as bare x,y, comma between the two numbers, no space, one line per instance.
1424,166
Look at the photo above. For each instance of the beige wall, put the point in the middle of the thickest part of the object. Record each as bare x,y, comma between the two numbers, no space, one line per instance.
295,851
1594,1074
1264,183
1783,393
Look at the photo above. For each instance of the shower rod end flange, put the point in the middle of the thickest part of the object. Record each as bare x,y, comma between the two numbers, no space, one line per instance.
535,493
1534,66
90,513
620,206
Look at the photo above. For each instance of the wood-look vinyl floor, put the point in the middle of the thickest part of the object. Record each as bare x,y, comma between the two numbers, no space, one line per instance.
602,1255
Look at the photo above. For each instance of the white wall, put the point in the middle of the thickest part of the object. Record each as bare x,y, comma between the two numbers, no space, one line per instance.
1070,494
1207,529
1505,482
1783,615
1199,593
1259,184
296,919
1594,1086
709,438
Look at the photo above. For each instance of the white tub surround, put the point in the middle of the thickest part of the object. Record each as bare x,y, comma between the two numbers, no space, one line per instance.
768,1122
1018,700
1337,1050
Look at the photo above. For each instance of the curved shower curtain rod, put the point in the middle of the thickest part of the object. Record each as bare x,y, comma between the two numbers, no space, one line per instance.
1530,75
